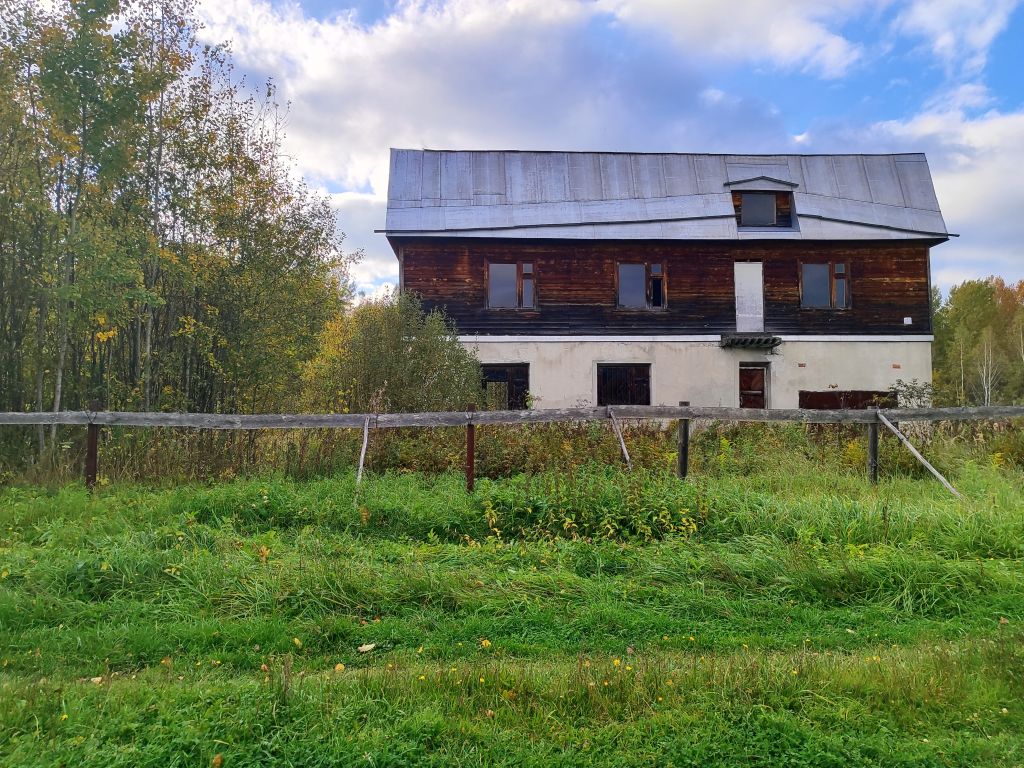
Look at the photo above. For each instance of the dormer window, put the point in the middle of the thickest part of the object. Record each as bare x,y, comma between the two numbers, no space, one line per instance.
755,210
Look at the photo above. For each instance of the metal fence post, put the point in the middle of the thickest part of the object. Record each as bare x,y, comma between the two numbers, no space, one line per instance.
873,452
683,459
92,449
470,449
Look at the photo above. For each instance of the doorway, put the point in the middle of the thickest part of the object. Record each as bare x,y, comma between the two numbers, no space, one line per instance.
753,385
749,281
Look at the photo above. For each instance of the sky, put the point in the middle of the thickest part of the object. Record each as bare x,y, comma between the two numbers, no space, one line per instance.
944,77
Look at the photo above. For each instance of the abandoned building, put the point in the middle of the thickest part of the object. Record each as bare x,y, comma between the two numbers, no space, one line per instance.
762,281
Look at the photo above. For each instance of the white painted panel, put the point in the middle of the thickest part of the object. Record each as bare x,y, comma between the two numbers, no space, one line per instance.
749,297
819,176
456,176
885,184
553,173
406,174
710,170
584,176
680,178
648,175
616,177
851,180
740,171
488,173
916,182
430,188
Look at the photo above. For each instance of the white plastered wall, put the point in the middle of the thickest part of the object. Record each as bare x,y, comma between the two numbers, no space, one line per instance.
563,373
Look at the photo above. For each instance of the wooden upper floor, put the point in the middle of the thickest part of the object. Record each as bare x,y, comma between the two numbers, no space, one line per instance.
667,287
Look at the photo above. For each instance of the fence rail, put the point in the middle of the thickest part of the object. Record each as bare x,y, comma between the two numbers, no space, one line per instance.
465,418
889,417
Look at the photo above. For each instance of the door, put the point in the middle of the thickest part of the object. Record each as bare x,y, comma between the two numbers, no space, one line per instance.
753,392
749,297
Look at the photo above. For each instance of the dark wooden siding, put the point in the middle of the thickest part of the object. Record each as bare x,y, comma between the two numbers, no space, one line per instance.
576,285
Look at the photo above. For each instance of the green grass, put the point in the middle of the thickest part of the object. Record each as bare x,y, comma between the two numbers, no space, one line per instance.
793,615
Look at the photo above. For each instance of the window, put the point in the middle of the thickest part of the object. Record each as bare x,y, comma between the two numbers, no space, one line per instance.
835,399
763,209
642,286
506,387
624,384
824,285
510,286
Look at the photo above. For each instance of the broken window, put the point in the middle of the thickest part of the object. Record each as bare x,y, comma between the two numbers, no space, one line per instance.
824,286
510,286
763,209
506,387
624,384
642,286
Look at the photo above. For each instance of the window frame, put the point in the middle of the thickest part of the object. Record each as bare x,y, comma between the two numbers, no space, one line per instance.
531,276
784,214
844,276
512,398
649,279
598,366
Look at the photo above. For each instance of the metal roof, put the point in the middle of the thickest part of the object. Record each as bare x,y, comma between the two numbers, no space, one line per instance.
620,195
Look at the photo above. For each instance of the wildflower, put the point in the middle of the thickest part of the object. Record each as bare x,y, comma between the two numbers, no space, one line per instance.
420,649
693,639
664,637
339,667
481,678
453,670
1004,711
423,677
65,716
605,683
669,682
793,672
485,643
616,662
660,698
629,668
297,642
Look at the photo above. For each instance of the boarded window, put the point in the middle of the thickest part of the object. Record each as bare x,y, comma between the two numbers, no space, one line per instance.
506,387
837,399
824,286
624,384
642,286
510,286
763,209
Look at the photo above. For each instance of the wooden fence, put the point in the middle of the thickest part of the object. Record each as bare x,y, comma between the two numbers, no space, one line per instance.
470,418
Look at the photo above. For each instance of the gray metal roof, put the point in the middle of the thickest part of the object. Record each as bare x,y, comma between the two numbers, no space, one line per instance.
618,195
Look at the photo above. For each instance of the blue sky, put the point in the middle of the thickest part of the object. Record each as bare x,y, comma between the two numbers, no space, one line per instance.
938,76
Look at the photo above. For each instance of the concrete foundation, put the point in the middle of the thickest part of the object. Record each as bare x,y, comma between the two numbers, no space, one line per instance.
563,370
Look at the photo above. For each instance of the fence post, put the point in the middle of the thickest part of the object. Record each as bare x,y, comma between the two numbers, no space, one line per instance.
92,445
683,459
470,449
873,452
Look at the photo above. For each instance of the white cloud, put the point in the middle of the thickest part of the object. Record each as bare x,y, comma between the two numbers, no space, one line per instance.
795,34
973,161
957,32
619,75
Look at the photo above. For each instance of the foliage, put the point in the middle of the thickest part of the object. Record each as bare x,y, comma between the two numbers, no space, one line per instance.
387,355
810,619
978,354
156,251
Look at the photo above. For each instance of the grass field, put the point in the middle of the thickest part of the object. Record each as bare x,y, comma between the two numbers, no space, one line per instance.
786,615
